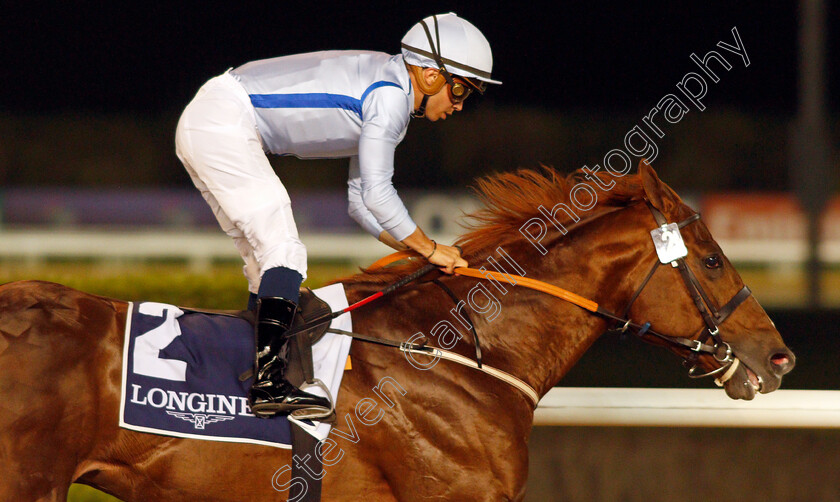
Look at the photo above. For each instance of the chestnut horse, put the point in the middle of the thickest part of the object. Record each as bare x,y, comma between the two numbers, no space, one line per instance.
448,433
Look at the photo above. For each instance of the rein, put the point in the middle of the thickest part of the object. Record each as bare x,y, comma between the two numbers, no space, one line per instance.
712,317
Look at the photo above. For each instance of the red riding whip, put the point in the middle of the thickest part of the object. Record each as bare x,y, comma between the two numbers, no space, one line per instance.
379,294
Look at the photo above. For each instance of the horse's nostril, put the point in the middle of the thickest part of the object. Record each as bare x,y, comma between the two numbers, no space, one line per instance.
782,362
780,359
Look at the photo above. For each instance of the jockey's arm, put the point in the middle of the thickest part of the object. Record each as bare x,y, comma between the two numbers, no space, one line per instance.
445,256
356,206
381,131
388,240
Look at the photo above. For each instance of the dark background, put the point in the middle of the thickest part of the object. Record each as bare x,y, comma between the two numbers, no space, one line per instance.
91,91
147,57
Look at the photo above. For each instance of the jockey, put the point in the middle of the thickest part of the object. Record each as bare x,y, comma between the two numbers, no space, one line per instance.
332,104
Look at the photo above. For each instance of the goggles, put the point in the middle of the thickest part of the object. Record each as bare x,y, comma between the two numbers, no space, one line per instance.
460,88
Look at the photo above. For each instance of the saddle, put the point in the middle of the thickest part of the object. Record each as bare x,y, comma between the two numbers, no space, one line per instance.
299,370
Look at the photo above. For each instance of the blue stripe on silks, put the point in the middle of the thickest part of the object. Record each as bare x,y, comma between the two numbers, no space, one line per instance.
310,100
377,85
316,99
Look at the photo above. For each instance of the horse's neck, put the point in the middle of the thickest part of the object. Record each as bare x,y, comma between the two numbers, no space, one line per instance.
539,337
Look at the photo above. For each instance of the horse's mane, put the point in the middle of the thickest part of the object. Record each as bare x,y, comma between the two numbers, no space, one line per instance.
512,198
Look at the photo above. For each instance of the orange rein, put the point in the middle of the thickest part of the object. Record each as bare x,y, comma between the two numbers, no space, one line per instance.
487,274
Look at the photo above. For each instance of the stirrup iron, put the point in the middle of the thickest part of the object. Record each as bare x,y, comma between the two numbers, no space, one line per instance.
314,412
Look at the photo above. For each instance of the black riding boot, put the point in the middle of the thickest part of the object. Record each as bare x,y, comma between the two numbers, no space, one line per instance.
271,393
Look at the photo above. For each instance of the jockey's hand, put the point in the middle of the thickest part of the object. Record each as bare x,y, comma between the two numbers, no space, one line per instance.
448,257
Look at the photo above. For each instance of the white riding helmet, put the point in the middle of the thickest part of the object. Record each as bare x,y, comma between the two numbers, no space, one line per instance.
449,42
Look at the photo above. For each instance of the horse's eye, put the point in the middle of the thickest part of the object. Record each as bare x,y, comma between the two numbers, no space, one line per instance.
712,262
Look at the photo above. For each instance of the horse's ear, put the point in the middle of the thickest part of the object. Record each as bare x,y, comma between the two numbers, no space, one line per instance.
660,195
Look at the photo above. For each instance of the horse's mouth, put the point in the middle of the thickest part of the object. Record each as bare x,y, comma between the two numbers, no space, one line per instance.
755,381
745,384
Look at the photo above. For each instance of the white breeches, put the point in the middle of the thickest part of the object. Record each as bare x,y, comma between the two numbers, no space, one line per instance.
217,141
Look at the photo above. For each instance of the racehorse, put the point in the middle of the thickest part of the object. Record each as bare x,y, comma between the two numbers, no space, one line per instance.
402,433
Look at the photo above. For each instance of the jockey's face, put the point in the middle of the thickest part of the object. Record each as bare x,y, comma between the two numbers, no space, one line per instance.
440,105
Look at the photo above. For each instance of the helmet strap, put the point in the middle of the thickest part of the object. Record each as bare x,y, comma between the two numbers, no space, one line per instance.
421,111
436,49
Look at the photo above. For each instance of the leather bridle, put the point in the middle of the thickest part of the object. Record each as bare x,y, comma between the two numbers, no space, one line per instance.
712,316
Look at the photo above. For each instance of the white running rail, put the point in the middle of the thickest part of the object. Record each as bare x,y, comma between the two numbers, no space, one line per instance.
198,248
581,406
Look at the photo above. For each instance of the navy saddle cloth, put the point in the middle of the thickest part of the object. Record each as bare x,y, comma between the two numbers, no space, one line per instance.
180,377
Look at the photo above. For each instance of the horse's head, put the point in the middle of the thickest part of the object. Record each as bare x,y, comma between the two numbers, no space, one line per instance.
699,307
704,293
